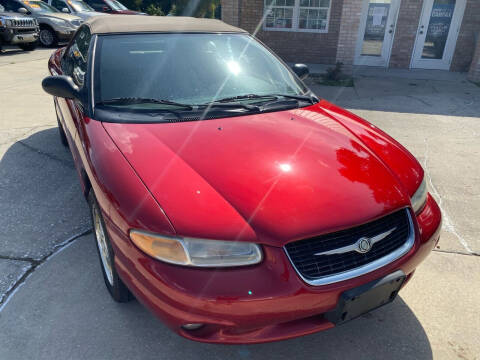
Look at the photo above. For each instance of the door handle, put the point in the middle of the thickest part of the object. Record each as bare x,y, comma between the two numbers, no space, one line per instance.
421,32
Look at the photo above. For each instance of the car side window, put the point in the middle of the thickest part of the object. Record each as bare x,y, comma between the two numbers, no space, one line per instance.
74,62
93,3
10,5
59,5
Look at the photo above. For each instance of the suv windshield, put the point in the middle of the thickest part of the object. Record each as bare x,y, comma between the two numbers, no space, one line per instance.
38,7
178,71
115,5
79,6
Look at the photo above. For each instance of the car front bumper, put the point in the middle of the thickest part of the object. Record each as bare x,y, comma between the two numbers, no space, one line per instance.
261,303
65,34
14,37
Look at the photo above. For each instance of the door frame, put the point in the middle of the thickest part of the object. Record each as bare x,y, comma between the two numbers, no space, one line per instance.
384,59
452,37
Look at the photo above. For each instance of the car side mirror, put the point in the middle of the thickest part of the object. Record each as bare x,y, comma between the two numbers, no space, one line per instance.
61,86
65,10
22,10
301,70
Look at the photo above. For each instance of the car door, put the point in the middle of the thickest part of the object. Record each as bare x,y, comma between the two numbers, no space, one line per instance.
74,64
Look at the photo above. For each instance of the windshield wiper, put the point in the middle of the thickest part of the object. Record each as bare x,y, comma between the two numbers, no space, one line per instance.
227,105
244,97
311,99
139,100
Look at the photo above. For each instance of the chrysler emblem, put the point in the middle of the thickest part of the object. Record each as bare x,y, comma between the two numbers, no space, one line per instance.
362,245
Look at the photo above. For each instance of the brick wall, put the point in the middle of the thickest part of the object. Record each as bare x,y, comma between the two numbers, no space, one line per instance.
405,33
290,46
230,11
348,32
340,41
463,55
474,73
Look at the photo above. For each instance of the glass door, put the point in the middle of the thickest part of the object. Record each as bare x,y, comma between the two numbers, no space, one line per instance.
437,33
377,28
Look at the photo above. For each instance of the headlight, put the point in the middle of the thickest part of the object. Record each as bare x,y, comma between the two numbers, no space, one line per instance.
9,22
420,197
197,252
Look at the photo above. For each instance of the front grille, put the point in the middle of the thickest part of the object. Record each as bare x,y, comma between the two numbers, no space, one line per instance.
312,267
23,23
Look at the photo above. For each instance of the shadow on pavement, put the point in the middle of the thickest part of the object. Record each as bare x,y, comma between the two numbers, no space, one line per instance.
63,309
11,52
40,197
404,95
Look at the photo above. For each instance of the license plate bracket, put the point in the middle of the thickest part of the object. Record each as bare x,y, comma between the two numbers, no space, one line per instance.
360,300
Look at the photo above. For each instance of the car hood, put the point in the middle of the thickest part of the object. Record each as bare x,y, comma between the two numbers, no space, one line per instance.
63,16
128,12
272,178
13,15
84,15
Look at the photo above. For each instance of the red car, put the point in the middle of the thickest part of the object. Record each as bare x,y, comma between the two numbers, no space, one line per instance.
226,197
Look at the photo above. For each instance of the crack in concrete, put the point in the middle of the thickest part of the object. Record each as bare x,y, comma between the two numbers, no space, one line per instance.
456,252
50,156
15,138
447,222
34,264
419,99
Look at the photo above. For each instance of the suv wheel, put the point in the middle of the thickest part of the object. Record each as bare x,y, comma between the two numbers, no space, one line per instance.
47,37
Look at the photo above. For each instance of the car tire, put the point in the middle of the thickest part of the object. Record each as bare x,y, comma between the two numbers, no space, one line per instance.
47,37
61,131
63,136
29,47
116,287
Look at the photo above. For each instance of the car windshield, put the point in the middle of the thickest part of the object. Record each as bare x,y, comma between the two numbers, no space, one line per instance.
115,5
79,6
38,7
148,70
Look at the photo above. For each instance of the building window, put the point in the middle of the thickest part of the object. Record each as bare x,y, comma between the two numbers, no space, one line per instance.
297,15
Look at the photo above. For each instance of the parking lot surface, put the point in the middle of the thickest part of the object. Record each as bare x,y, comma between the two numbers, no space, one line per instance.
53,303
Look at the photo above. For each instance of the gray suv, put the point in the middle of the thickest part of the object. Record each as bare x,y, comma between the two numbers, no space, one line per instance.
18,30
55,26
75,7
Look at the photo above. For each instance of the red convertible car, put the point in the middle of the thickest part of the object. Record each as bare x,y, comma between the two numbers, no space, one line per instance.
225,196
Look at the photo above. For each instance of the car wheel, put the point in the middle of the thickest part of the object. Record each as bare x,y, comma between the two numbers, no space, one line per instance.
61,132
118,290
47,37
28,47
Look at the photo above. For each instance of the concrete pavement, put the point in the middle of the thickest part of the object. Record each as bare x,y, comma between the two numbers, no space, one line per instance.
53,303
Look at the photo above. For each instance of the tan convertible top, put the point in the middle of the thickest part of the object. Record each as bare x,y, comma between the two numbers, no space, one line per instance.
140,23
